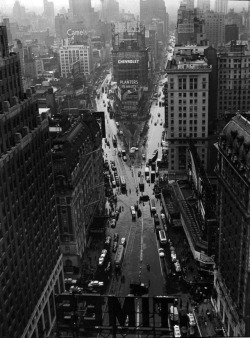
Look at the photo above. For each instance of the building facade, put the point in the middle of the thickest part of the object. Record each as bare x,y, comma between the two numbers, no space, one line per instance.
187,107
233,80
31,260
70,53
215,28
130,69
204,5
233,202
78,170
221,6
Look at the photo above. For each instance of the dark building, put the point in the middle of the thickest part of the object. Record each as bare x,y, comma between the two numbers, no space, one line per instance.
231,33
31,262
232,280
130,69
153,9
78,170
10,71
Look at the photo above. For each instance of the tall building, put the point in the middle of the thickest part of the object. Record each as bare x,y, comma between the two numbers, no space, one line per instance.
153,9
78,163
190,27
231,33
215,28
29,238
111,10
221,6
204,5
233,80
187,106
81,9
70,53
232,300
130,68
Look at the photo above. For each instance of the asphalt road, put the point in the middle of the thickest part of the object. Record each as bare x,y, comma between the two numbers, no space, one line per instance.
142,245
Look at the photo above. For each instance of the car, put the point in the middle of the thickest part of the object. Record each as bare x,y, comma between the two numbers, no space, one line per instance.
132,149
163,216
144,198
108,240
124,158
116,237
104,105
143,156
191,319
101,260
123,241
115,246
155,123
161,252
113,184
95,283
177,266
113,223
139,173
119,154
108,144
104,252
173,256
159,114
161,123
148,179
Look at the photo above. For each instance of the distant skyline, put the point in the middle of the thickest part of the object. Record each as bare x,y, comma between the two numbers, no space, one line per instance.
129,5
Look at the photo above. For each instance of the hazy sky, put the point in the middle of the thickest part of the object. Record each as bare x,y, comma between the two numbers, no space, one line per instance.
132,5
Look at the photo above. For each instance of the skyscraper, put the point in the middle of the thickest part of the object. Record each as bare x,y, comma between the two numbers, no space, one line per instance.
221,6
153,9
31,263
232,281
204,5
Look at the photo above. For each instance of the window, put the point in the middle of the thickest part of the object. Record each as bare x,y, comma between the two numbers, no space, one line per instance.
193,83
182,83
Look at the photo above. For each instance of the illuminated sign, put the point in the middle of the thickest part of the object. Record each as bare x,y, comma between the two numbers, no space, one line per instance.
86,312
72,33
128,61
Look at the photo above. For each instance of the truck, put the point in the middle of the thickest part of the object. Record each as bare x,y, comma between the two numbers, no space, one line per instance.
152,176
119,256
141,184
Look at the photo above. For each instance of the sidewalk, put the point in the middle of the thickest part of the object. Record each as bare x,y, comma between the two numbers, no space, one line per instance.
207,320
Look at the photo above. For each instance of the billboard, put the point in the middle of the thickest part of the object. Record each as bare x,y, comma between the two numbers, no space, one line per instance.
185,28
86,312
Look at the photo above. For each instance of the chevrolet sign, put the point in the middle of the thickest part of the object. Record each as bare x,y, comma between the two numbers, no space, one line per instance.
128,61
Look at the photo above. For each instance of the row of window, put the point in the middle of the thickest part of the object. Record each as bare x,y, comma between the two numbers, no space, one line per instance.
191,101
204,94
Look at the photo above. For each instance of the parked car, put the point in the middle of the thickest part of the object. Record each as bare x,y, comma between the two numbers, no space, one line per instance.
108,240
116,237
143,156
115,246
161,252
113,223
123,241
124,158
139,173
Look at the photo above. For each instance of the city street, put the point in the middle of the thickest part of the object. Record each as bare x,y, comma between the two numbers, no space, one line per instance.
142,246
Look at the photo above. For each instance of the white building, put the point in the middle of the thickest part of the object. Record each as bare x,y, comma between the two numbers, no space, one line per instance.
187,115
69,54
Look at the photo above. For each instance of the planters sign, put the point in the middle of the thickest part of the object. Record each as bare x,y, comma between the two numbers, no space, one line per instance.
71,33
128,61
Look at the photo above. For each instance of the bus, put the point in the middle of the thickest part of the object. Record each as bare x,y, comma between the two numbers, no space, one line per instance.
114,140
162,237
152,206
123,183
119,256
